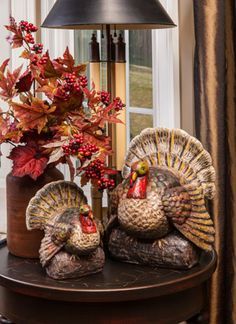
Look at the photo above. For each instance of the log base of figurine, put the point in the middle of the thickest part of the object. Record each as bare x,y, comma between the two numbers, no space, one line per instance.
173,251
67,266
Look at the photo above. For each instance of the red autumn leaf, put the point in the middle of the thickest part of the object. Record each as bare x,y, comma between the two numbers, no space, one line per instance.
17,39
56,155
27,161
34,116
26,55
101,141
64,130
48,70
68,60
8,82
106,115
13,25
73,104
84,180
54,149
25,82
67,64
33,66
93,99
8,129
3,66
4,126
24,99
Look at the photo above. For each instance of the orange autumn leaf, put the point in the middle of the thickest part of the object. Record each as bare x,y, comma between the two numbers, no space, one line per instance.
48,88
34,116
8,82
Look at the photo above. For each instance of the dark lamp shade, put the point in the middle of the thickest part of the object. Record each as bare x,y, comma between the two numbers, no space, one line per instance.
92,14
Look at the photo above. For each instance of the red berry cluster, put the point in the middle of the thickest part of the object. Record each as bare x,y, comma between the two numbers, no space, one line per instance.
79,138
70,79
118,104
74,144
95,170
34,59
105,97
38,48
28,27
29,39
106,183
74,83
43,60
87,150
83,81
77,87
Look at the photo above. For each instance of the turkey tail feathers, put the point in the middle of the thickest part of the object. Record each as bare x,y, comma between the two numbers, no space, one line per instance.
185,208
50,200
48,249
176,150
199,229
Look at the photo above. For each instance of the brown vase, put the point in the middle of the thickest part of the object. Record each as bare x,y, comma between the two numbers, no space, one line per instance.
20,241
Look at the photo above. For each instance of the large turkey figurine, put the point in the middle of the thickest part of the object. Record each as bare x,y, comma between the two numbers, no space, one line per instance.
167,176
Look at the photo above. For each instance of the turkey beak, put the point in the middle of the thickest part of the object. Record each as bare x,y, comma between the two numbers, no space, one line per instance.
133,178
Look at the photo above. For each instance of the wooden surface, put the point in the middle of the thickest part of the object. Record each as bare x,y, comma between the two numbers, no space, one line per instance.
123,293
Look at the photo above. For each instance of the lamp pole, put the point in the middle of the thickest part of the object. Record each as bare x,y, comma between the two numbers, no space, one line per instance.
109,60
110,89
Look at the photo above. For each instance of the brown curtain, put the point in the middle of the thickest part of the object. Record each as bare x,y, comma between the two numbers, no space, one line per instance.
215,110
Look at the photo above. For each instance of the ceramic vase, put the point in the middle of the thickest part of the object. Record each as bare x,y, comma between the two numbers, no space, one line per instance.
20,241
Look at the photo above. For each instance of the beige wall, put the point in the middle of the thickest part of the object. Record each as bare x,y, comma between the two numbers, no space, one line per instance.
187,43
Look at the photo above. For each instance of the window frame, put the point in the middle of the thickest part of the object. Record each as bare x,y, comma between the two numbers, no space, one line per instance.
130,109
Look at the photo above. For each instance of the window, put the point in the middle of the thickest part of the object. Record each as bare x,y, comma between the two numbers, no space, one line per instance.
153,77
139,82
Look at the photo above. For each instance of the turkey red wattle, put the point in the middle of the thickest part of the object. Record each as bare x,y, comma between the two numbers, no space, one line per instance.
138,188
87,224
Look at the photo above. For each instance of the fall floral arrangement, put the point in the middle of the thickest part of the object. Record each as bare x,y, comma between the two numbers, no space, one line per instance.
52,116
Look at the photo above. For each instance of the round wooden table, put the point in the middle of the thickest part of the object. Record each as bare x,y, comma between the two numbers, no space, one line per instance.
122,293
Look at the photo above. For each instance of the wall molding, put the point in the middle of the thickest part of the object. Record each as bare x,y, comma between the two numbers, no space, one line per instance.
187,48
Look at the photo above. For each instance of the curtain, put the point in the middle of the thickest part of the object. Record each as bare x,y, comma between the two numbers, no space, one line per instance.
215,112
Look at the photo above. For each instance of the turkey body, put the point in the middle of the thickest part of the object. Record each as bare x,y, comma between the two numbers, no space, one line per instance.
56,209
77,241
145,218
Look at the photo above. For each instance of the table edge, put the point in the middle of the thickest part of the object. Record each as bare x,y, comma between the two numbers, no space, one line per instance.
112,294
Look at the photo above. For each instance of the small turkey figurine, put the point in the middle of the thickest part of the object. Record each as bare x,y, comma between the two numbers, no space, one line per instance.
167,176
71,245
